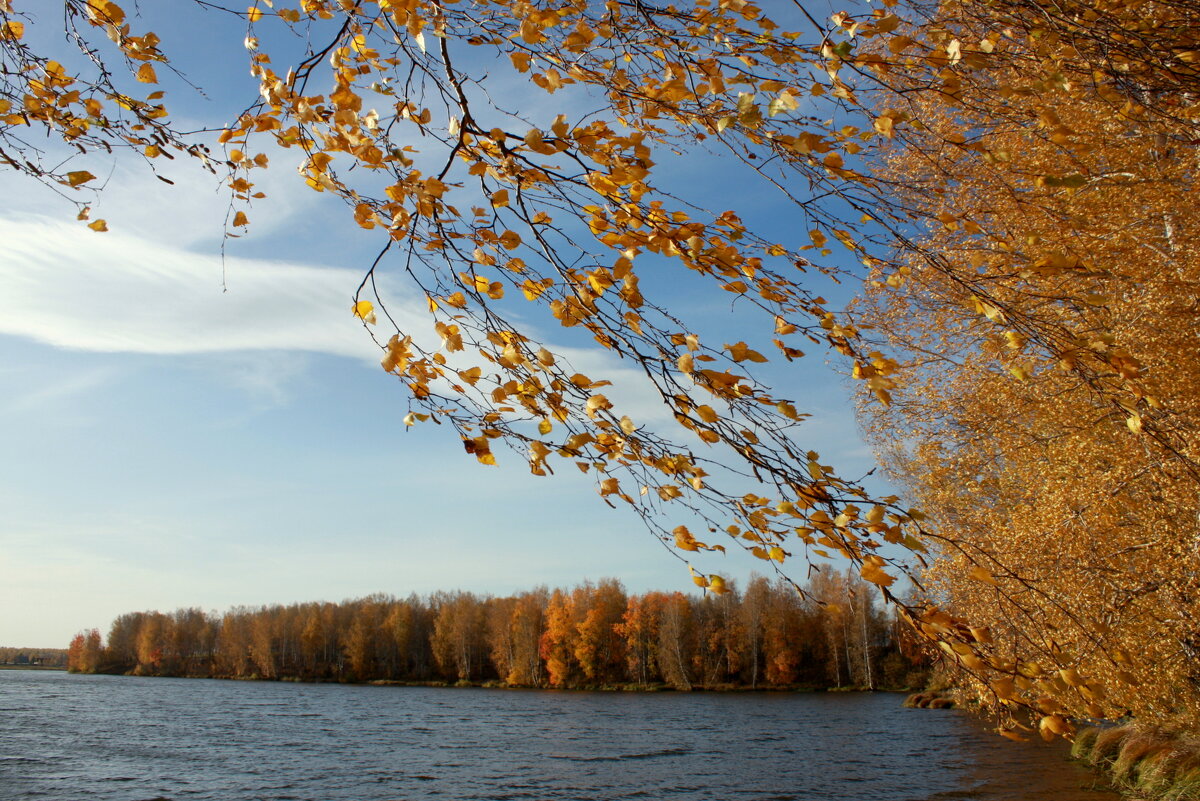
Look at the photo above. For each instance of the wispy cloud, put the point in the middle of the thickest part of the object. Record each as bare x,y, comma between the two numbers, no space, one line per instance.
41,394
69,287
72,288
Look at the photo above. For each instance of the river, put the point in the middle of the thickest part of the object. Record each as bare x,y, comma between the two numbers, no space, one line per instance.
116,738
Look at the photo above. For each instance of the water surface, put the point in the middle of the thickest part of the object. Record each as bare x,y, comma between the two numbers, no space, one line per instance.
115,738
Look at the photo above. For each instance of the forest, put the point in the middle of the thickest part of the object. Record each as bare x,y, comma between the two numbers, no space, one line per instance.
44,657
592,636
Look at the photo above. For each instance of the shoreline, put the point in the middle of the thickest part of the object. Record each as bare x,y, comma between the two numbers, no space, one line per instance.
33,667
498,685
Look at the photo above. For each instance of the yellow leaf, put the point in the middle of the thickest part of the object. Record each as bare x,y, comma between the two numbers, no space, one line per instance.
520,60
872,571
365,310
1052,725
240,219
253,14
98,225
981,574
78,177
12,30
145,74
740,352
545,427
684,541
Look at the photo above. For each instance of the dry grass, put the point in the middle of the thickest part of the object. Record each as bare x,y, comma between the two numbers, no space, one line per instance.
1159,768
1185,786
918,700
1135,749
1152,763
1085,738
1107,745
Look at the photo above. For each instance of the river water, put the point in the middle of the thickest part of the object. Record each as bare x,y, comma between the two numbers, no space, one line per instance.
110,738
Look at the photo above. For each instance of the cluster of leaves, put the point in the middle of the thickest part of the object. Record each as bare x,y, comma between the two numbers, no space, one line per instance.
592,635
1006,170
90,110
567,215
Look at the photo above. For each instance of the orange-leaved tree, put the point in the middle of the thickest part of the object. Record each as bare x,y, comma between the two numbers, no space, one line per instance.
1043,315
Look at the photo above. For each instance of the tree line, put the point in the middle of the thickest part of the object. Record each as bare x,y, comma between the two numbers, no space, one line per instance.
44,657
594,635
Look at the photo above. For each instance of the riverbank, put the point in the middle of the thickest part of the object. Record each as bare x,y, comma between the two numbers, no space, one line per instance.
493,684
1152,764
33,667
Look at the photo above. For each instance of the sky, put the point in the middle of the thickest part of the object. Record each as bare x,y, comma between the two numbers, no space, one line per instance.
183,428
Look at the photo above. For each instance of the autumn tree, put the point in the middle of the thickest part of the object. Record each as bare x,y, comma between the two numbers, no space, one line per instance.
599,647
398,634
122,641
459,635
639,627
364,638
527,624
557,644
720,637
676,641
85,652
1040,319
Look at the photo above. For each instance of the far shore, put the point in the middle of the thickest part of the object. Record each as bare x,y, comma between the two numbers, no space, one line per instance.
33,667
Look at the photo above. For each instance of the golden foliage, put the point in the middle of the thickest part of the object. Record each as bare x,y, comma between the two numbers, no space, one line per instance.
1044,313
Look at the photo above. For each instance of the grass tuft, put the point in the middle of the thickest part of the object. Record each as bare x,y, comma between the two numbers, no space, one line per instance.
1185,786
1158,769
1134,750
1108,743
1085,739
1149,762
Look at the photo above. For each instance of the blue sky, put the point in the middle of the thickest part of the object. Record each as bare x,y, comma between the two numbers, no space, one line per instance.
186,431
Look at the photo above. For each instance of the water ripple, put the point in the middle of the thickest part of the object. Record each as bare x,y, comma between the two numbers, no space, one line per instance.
110,738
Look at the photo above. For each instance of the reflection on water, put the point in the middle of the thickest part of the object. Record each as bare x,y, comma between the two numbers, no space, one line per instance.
109,738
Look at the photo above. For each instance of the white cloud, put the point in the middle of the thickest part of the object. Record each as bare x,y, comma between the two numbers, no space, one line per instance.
67,286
